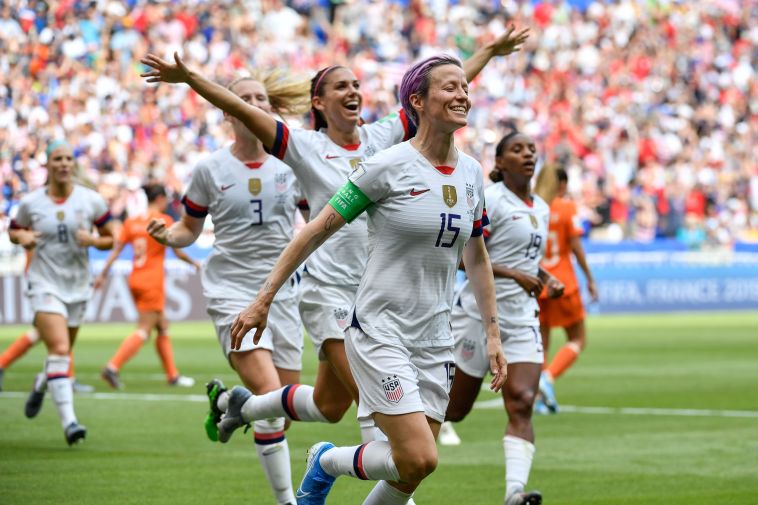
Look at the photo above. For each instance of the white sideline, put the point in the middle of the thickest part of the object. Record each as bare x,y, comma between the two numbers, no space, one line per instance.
495,403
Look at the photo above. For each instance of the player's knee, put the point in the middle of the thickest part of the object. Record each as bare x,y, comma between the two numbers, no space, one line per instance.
415,466
457,413
521,403
333,412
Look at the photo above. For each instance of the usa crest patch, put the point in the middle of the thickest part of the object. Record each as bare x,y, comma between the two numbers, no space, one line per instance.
393,390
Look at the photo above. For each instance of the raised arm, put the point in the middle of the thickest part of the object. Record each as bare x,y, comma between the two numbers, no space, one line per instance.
310,238
479,271
257,121
504,45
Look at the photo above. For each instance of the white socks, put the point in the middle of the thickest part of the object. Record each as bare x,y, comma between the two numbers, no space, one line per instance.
274,454
294,402
59,384
371,461
384,494
518,462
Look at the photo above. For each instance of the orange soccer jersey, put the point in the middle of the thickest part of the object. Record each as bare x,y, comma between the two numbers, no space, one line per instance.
566,310
146,279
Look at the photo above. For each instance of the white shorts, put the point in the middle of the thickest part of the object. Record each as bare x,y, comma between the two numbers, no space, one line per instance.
393,379
46,302
283,335
325,310
522,344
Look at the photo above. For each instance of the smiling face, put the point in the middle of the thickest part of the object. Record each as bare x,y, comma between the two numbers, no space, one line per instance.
254,93
60,165
518,159
338,99
445,103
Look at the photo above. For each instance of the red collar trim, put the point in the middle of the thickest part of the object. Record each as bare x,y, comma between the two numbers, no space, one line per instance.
529,203
445,169
351,147
252,165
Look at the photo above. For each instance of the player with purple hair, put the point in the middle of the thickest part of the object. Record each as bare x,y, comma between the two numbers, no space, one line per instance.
424,200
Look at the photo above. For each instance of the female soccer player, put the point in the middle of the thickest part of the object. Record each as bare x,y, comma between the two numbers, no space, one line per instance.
424,200
566,312
146,283
322,160
516,242
252,198
56,221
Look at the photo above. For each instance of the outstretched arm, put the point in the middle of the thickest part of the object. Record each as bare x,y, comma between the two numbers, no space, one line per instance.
257,121
508,43
308,240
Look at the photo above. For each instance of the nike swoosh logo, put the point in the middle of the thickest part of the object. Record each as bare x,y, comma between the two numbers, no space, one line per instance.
331,157
301,494
224,188
419,192
516,218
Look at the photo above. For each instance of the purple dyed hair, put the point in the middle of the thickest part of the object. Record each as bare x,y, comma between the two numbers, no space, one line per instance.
416,81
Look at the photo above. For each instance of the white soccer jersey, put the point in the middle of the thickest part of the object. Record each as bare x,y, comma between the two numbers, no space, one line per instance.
253,209
322,167
60,266
419,222
516,239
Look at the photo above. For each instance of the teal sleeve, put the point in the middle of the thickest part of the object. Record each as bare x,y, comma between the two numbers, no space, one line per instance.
349,201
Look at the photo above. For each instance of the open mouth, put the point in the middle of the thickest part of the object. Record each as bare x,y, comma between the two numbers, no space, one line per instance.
459,109
352,105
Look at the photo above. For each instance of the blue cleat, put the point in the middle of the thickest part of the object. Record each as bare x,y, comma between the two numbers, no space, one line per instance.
540,409
548,393
232,419
316,482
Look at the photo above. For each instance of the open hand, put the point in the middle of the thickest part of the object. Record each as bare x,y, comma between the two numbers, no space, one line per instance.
99,281
592,288
165,71
509,42
498,363
28,239
254,316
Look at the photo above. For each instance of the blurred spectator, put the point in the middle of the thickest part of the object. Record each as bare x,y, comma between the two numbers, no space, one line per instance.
652,107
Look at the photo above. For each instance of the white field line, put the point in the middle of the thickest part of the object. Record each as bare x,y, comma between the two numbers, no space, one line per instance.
495,403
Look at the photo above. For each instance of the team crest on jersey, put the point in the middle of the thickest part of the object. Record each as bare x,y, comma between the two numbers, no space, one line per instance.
60,215
340,314
280,182
470,195
393,390
254,185
533,219
449,195
354,163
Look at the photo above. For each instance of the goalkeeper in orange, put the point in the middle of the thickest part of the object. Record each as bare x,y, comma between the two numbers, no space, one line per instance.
566,312
147,288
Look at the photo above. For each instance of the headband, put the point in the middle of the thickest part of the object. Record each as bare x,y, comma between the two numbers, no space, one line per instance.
321,78
55,144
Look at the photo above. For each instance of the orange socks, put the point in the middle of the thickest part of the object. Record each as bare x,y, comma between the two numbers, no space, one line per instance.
129,347
563,359
166,353
18,348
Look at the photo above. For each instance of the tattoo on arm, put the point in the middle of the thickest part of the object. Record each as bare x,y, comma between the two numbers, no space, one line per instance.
493,320
267,287
329,222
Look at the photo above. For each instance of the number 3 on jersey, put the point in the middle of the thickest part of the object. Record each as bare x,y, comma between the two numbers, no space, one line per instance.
256,212
447,223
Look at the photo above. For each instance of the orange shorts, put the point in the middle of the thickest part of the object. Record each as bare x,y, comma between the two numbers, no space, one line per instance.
561,312
148,299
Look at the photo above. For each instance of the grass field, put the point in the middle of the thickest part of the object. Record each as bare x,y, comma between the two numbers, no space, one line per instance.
697,444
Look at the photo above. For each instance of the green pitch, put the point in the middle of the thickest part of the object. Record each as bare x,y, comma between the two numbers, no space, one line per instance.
699,445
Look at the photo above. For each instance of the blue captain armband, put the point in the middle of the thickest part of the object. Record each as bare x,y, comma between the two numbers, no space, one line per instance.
349,201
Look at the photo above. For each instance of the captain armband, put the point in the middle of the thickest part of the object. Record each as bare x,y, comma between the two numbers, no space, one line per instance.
349,201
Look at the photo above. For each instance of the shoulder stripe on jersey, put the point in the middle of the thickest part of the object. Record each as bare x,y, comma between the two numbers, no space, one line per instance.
485,219
16,226
486,233
477,229
194,209
279,149
103,219
408,126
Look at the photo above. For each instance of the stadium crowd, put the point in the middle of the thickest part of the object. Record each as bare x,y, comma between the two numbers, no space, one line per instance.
652,107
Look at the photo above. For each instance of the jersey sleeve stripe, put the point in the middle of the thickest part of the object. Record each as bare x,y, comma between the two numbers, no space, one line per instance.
16,226
408,126
279,149
194,209
485,219
103,219
477,228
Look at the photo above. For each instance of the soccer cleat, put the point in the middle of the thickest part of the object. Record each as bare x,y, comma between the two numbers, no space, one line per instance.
112,378
316,482
447,435
182,381
213,389
523,498
75,433
82,388
540,408
34,402
232,419
2,372
548,393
